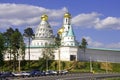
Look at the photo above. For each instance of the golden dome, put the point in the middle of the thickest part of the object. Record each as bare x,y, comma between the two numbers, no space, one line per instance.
61,30
67,15
44,17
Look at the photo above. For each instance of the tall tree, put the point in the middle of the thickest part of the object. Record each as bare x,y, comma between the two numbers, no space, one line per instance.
16,39
57,45
7,36
2,47
83,45
48,54
28,32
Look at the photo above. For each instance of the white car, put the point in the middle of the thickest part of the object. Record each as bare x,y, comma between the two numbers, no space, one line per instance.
21,74
63,72
25,74
17,74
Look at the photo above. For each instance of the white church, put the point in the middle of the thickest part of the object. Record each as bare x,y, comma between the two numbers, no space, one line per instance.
69,50
44,36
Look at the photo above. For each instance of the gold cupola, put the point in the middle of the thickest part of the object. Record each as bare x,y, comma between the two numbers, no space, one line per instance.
61,30
44,17
67,15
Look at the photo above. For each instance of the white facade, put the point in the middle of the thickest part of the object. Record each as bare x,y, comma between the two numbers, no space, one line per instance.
67,53
44,36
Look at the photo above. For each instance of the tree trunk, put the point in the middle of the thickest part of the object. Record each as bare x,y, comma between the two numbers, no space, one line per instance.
46,64
29,54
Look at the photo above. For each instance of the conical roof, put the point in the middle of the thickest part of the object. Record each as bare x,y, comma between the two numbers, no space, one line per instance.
70,32
44,30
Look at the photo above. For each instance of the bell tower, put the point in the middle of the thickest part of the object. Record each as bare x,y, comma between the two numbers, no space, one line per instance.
67,21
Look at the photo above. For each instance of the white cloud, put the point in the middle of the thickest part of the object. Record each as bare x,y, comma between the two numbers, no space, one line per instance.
52,23
23,15
92,20
114,45
109,22
97,44
92,43
28,15
85,20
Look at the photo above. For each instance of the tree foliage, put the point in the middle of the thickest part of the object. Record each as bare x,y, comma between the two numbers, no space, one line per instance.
7,36
83,44
47,54
28,32
13,40
1,50
57,41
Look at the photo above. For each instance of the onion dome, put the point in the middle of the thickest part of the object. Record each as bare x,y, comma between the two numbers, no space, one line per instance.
61,30
44,17
67,15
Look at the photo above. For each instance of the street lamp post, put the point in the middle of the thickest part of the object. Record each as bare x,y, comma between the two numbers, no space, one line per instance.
91,69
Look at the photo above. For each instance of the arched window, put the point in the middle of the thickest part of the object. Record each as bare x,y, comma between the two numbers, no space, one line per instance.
66,20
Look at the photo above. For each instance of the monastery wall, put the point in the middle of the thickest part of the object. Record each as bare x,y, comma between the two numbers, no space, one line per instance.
100,55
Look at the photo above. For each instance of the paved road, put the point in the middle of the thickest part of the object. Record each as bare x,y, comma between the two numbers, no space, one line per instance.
77,76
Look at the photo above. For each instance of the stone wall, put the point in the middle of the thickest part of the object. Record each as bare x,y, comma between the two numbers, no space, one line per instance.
100,55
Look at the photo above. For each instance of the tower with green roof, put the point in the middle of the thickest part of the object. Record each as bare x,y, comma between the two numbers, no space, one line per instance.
69,45
67,36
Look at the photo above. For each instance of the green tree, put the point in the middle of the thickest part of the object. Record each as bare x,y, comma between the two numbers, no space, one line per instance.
2,47
48,54
7,37
28,32
16,40
57,45
57,41
83,45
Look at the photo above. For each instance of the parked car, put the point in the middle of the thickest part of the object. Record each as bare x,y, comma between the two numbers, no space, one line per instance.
25,74
0,73
51,72
6,74
36,73
63,72
17,74
21,74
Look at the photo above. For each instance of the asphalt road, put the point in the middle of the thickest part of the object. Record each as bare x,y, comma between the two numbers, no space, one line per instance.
73,76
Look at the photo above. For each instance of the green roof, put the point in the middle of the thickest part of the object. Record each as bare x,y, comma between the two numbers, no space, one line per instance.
40,46
104,49
70,32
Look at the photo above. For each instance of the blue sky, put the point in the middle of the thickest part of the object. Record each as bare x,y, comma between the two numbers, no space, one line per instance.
96,20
